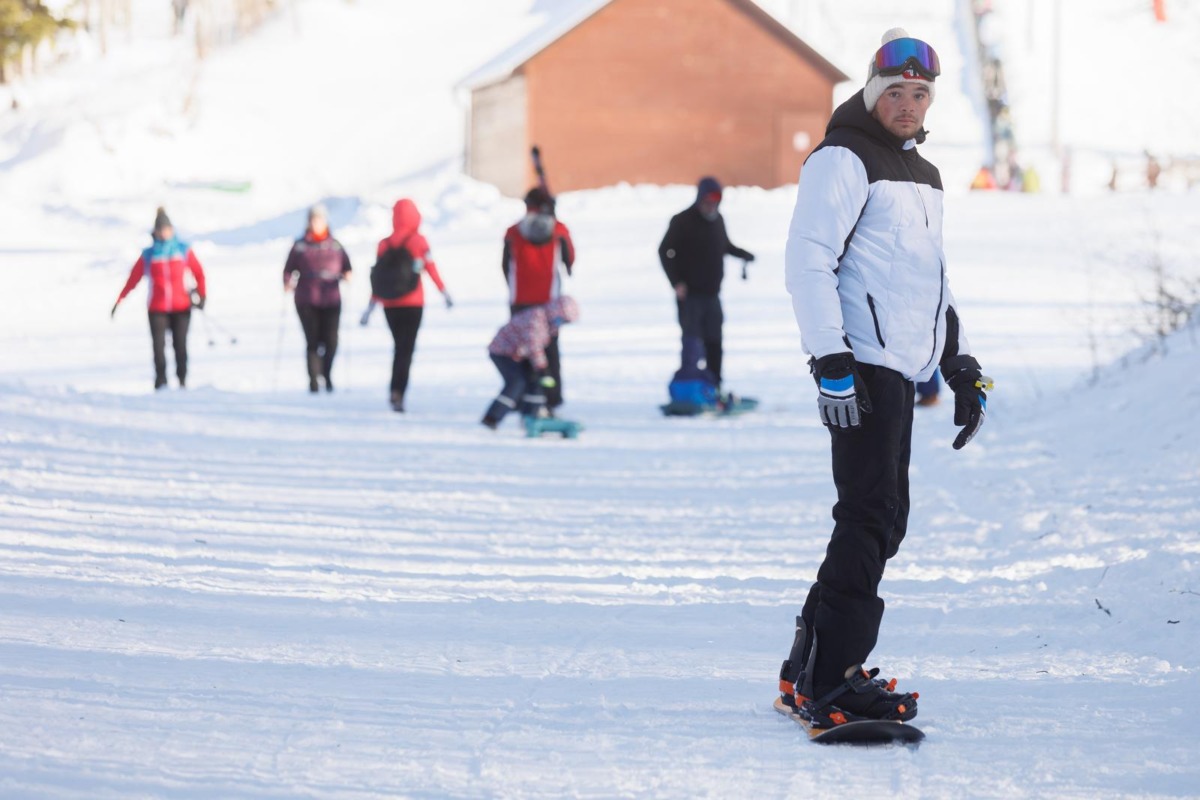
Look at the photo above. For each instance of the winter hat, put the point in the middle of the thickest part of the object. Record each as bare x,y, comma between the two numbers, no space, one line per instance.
161,220
878,84
708,185
539,199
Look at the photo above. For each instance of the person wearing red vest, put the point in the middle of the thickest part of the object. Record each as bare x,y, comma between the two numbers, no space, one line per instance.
169,299
404,313
534,249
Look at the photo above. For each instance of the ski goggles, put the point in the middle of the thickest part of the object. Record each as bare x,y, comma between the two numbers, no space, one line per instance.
899,55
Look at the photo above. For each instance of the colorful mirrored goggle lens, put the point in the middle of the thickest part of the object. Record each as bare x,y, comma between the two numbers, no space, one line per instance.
899,54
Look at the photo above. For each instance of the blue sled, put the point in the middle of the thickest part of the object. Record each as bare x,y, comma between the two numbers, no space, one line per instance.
536,426
726,407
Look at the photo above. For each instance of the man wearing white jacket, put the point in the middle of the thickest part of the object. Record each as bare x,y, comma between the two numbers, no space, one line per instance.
867,275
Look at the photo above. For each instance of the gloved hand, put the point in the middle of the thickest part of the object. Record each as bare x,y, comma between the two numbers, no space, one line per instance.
748,257
970,387
449,301
197,300
843,396
112,314
200,303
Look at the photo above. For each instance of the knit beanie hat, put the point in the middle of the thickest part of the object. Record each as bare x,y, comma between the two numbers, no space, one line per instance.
878,84
707,185
161,220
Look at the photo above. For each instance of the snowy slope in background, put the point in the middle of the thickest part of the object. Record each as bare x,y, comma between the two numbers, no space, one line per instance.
244,591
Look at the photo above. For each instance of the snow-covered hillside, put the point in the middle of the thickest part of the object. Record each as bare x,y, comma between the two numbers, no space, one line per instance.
242,590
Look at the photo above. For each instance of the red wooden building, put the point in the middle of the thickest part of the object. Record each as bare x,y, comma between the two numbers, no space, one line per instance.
650,91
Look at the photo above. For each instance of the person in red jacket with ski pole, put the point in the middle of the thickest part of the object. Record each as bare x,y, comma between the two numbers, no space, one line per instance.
164,265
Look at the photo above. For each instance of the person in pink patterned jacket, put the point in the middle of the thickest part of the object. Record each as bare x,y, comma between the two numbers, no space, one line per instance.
519,353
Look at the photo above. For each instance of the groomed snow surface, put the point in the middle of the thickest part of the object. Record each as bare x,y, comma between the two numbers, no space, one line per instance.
244,591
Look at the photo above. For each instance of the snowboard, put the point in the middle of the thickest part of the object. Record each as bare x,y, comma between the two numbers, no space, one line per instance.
862,732
536,426
730,408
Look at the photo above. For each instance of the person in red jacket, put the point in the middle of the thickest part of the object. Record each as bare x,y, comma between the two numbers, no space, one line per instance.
404,312
315,265
169,299
534,250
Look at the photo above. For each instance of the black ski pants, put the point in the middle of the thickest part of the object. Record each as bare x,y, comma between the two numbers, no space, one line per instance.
320,337
404,323
701,317
554,394
177,323
870,471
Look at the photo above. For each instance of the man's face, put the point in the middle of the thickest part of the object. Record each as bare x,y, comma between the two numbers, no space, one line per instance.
710,205
901,109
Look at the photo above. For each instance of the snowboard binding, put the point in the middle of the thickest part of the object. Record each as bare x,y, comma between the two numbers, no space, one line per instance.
861,696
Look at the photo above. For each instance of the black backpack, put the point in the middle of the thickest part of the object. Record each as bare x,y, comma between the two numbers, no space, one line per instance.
394,274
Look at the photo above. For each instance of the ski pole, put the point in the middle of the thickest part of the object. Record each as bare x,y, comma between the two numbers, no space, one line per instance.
220,328
279,342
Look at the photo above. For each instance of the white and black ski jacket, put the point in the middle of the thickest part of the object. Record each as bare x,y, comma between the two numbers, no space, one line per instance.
864,258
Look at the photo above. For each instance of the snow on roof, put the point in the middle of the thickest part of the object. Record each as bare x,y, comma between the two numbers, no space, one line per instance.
568,14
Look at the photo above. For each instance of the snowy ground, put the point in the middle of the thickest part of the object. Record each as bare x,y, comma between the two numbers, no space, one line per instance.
244,591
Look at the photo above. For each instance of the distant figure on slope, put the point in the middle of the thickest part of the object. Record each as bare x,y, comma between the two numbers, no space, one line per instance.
866,271
927,391
169,301
520,352
534,250
693,255
315,266
402,259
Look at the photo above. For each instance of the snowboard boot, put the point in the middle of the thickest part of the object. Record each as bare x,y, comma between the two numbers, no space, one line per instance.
397,401
860,696
794,684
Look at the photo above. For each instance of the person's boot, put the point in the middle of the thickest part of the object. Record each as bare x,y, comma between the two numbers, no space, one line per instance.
397,401
313,386
794,684
328,383
860,696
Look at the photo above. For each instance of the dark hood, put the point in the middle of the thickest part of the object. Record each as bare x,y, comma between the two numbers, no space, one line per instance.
853,114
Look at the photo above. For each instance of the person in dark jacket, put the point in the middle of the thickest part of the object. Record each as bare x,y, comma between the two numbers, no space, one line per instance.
693,256
169,300
314,268
536,251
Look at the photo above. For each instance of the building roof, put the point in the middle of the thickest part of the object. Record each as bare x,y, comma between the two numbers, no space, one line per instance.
569,15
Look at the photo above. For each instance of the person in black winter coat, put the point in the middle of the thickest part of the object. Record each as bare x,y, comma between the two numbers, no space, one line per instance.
693,256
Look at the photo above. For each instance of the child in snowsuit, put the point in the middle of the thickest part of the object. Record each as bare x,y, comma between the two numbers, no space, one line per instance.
169,301
519,353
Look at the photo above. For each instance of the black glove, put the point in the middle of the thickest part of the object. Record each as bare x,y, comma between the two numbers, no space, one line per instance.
966,380
197,300
842,395
748,257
